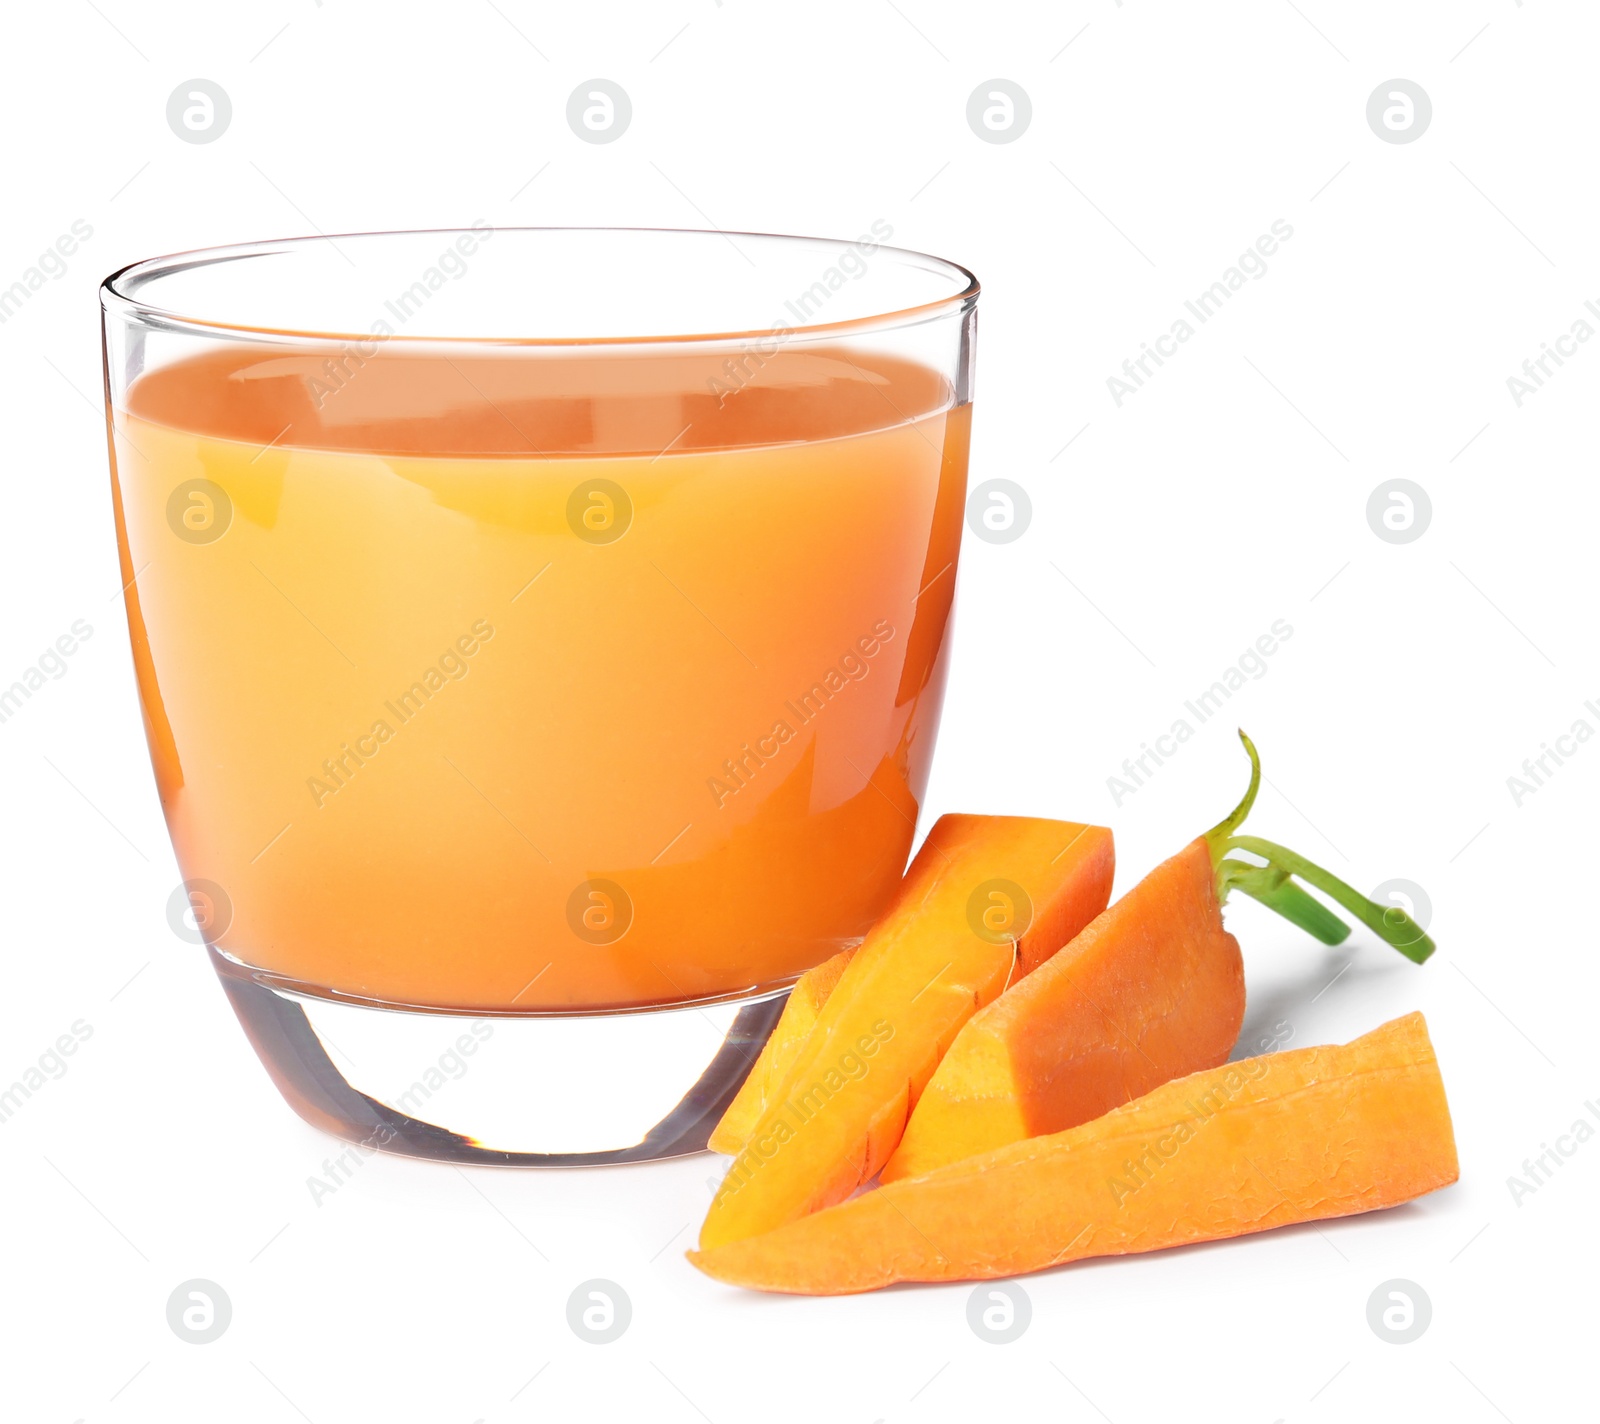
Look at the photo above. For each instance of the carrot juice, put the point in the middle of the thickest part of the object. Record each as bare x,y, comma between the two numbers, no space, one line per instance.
571,679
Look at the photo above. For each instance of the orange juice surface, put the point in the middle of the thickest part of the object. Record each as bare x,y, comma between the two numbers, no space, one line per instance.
539,680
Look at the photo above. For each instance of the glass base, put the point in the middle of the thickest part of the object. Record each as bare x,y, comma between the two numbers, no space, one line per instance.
522,1090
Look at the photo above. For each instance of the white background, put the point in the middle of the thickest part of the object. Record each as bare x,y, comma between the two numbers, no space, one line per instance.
1168,534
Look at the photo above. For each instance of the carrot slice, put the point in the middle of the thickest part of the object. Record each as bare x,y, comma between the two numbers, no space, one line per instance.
799,1017
987,898
1291,1137
1154,988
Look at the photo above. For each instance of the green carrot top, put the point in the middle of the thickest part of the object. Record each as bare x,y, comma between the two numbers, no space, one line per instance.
1273,883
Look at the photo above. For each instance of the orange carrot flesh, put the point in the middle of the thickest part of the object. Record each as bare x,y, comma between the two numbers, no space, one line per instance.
987,898
1291,1137
1151,990
799,1017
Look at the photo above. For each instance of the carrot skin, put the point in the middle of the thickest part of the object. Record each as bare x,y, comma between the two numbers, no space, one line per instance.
1291,1137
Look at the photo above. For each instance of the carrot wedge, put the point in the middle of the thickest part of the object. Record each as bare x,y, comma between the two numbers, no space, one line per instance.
799,1017
1290,1137
986,899
1152,990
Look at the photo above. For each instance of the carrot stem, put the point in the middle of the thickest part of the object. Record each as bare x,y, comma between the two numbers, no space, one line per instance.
1273,885
1235,818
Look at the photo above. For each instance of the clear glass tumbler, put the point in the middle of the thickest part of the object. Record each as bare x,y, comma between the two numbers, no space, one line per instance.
541,636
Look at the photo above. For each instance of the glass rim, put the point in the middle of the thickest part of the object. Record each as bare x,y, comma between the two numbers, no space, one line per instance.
115,298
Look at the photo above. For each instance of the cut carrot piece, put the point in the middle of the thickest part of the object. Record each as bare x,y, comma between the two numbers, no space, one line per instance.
1290,1137
986,899
782,1047
1153,989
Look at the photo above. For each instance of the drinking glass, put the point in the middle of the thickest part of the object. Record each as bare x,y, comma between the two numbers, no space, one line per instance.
541,637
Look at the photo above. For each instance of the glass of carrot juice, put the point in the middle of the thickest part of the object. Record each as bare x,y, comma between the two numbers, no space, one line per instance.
541,637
